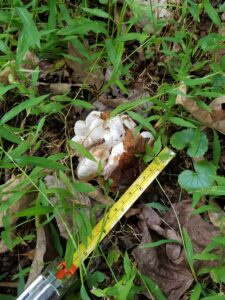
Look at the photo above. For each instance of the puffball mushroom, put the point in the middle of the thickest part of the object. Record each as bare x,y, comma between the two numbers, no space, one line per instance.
105,138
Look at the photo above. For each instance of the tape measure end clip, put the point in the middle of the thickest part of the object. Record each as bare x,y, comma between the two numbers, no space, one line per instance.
63,271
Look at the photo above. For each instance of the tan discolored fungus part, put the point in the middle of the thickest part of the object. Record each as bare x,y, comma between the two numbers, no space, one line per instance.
110,140
87,169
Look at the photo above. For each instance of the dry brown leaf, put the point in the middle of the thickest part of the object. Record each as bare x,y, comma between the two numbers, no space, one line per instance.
173,279
86,72
59,88
167,264
30,61
217,218
125,173
6,190
38,261
3,247
4,75
214,119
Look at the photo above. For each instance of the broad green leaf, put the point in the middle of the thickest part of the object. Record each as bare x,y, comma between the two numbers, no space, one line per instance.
34,211
20,107
153,287
83,187
181,122
124,294
52,14
83,26
69,254
84,294
82,103
5,89
40,162
194,140
218,274
127,264
206,256
111,51
142,121
113,256
98,292
158,206
197,81
220,240
9,135
96,12
211,12
82,150
159,243
157,146
205,208
202,178
93,279
29,26
212,191
124,107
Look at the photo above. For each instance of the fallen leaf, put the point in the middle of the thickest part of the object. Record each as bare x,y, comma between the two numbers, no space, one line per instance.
159,8
173,279
199,230
167,264
3,247
217,218
84,71
38,261
59,88
214,119
4,75
78,198
6,191
30,61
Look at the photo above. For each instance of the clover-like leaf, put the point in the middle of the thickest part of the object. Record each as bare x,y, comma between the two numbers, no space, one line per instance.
201,178
193,139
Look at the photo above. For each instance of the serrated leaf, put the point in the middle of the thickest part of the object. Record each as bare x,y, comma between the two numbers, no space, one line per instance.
201,178
193,139
196,292
181,122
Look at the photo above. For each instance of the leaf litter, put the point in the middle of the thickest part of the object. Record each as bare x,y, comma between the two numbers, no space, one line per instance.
81,72
167,264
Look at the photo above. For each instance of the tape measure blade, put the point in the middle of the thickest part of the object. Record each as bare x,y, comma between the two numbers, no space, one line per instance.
117,211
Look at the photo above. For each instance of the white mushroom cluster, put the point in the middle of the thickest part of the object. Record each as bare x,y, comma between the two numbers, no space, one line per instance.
104,138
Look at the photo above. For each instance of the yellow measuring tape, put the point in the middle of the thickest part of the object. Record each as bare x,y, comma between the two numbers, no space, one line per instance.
116,212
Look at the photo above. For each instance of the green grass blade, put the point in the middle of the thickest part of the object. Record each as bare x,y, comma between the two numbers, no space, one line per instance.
20,107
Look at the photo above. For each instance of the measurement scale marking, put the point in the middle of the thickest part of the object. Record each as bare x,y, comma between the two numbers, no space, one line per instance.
116,212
